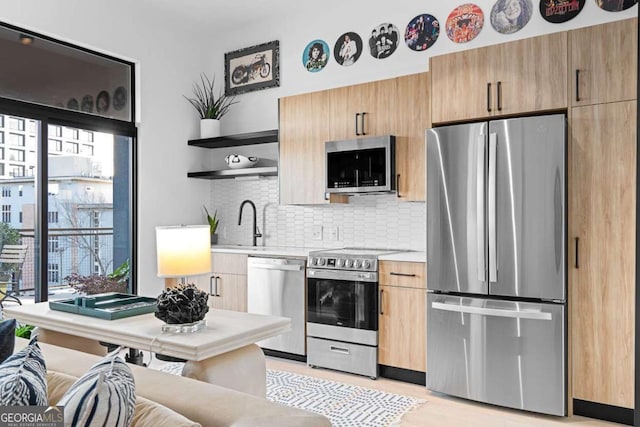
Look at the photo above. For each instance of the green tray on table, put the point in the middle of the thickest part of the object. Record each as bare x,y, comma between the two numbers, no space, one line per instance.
109,306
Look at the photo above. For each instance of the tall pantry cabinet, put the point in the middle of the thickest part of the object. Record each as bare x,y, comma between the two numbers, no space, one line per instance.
602,215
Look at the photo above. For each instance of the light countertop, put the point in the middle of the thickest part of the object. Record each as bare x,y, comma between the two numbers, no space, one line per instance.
287,251
409,256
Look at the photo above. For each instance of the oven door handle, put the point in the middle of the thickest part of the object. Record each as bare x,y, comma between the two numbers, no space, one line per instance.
346,275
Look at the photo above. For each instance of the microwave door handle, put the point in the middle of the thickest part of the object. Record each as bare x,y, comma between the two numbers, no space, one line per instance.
480,206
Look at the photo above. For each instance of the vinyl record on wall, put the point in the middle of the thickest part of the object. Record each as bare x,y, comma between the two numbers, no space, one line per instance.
87,104
316,55
422,32
103,101
72,104
347,49
509,16
464,23
119,98
559,11
383,40
615,5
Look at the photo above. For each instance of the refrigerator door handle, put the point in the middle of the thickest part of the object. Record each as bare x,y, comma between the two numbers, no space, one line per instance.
491,211
496,312
480,224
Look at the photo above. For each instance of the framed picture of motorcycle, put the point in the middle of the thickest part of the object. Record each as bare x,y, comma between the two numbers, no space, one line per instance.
252,68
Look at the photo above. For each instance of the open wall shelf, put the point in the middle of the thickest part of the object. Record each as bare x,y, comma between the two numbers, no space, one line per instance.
235,173
251,138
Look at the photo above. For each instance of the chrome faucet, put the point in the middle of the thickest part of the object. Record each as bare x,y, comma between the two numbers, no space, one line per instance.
256,231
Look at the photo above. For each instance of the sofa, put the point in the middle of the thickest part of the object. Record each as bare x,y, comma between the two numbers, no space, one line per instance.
169,400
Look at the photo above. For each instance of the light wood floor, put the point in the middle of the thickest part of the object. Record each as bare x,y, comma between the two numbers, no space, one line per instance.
440,410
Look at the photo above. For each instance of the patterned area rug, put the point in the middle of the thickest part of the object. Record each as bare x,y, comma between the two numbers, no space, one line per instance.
345,405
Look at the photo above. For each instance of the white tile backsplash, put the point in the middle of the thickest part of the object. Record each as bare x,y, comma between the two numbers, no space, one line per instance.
376,221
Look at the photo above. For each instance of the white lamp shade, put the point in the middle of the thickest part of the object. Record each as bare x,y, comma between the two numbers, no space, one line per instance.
183,250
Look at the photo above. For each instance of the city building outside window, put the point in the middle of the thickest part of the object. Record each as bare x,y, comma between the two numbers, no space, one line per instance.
53,217
54,243
6,191
53,275
16,124
6,214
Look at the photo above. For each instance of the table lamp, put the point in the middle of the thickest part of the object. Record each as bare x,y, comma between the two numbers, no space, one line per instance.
183,251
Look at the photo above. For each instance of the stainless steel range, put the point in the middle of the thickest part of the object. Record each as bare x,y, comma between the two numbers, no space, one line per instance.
342,310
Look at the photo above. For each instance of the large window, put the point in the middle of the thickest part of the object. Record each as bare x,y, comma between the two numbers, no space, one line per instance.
72,114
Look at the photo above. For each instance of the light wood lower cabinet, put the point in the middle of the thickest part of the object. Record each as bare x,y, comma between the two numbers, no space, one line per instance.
602,217
402,317
227,283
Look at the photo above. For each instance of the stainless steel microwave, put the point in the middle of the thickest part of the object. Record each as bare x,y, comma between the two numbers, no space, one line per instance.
364,165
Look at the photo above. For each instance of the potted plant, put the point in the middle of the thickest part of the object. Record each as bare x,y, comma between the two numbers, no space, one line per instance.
213,225
210,107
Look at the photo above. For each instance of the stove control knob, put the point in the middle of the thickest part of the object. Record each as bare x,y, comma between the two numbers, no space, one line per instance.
313,261
321,261
357,263
366,264
340,263
348,263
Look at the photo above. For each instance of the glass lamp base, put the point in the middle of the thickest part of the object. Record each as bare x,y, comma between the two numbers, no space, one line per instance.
184,328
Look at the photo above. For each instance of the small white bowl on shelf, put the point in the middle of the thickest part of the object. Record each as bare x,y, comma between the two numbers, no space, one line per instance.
238,161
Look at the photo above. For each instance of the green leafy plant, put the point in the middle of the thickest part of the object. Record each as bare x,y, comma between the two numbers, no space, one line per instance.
117,281
205,101
212,220
24,331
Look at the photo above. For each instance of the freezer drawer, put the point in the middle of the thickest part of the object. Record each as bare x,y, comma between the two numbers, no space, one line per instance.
501,352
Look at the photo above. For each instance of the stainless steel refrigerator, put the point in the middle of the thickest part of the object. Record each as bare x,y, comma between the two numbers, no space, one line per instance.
496,255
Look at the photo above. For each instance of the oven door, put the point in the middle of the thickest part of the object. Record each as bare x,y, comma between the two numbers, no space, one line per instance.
347,299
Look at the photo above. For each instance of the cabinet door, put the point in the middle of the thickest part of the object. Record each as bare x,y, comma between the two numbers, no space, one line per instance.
304,128
230,263
402,273
602,274
402,328
230,292
531,74
605,58
460,86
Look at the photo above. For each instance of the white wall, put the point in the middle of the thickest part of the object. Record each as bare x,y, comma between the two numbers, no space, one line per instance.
169,56
329,19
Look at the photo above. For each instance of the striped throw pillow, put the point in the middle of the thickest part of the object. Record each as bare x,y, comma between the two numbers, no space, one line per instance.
23,378
104,396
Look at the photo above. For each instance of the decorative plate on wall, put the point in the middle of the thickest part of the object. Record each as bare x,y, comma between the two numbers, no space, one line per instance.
422,32
465,23
316,55
509,16
347,49
615,5
559,11
72,104
87,104
383,40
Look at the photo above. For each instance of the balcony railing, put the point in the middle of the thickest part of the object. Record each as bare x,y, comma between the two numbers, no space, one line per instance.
84,251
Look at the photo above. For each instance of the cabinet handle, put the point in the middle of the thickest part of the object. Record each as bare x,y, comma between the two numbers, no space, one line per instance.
489,97
577,85
499,96
380,302
398,186
393,273
341,350
211,279
577,239
357,132
362,123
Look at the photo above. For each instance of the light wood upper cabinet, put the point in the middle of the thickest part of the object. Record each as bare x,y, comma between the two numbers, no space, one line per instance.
402,315
505,79
461,85
604,63
531,75
602,216
398,106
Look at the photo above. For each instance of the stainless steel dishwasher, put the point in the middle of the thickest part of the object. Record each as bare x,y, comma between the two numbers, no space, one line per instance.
276,286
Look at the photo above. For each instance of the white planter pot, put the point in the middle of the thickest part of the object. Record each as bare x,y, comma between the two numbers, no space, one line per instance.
209,128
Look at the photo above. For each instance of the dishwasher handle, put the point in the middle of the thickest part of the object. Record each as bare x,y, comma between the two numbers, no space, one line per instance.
282,267
534,315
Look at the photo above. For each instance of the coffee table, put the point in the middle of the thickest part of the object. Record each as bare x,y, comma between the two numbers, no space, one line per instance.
226,345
